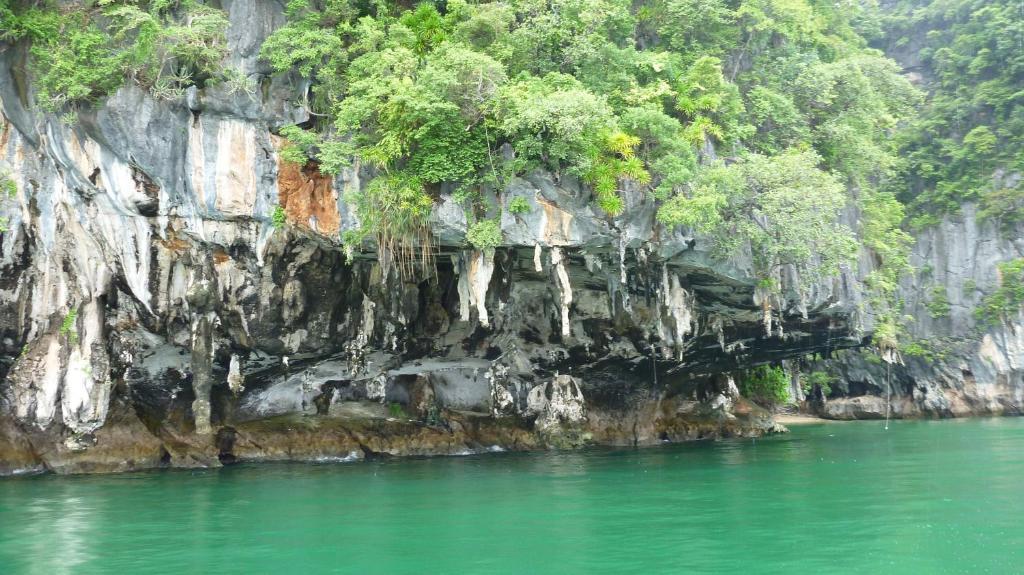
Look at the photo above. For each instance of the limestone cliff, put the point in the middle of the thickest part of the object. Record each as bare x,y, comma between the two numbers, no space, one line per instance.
153,313
960,365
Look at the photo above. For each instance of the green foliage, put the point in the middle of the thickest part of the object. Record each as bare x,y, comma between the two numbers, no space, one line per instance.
785,208
889,245
8,190
393,209
278,219
484,235
671,159
820,379
68,326
923,349
969,131
395,410
553,122
299,145
697,26
85,52
764,384
780,124
853,105
887,331
938,303
427,25
618,95
881,214
711,103
615,160
518,205
1008,297
72,58
1005,206
880,232
8,186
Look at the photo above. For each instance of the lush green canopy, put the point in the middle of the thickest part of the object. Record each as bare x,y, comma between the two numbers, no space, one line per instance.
670,95
754,121
965,144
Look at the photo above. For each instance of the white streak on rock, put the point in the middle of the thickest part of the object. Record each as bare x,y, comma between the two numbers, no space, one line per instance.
236,381
481,268
679,305
86,390
475,269
558,261
235,179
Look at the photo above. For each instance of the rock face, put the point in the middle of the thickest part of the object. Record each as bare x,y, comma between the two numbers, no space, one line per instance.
962,366
152,314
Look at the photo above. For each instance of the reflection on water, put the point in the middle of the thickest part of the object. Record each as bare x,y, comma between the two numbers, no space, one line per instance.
837,498
55,530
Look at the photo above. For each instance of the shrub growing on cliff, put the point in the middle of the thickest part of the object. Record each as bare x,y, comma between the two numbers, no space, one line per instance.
1008,296
68,326
938,304
484,235
298,146
820,379
764,384
785,208
393,209
615,160
80,53
8,189
278,218
518,205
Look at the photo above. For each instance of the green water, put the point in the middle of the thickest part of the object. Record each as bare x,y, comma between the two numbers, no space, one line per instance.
923,497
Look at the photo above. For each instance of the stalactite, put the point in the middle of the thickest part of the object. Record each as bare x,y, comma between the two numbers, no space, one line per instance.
202,377
475,270
236,381
763,298
678,304
558,261
622,260
719,327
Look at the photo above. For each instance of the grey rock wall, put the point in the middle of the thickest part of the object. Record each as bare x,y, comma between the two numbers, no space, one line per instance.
151,315
964,366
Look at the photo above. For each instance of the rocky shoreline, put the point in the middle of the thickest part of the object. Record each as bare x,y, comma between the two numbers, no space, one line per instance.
367,431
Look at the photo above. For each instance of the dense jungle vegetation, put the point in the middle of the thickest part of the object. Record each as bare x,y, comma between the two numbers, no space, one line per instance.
753,121
965,144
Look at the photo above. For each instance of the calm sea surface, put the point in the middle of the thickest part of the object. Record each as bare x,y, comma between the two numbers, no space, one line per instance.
922,497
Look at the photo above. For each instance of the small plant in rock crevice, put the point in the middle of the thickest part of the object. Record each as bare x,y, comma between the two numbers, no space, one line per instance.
820,379
484,235
8,190
68,328
938,304
278,218
1008,296
518,206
